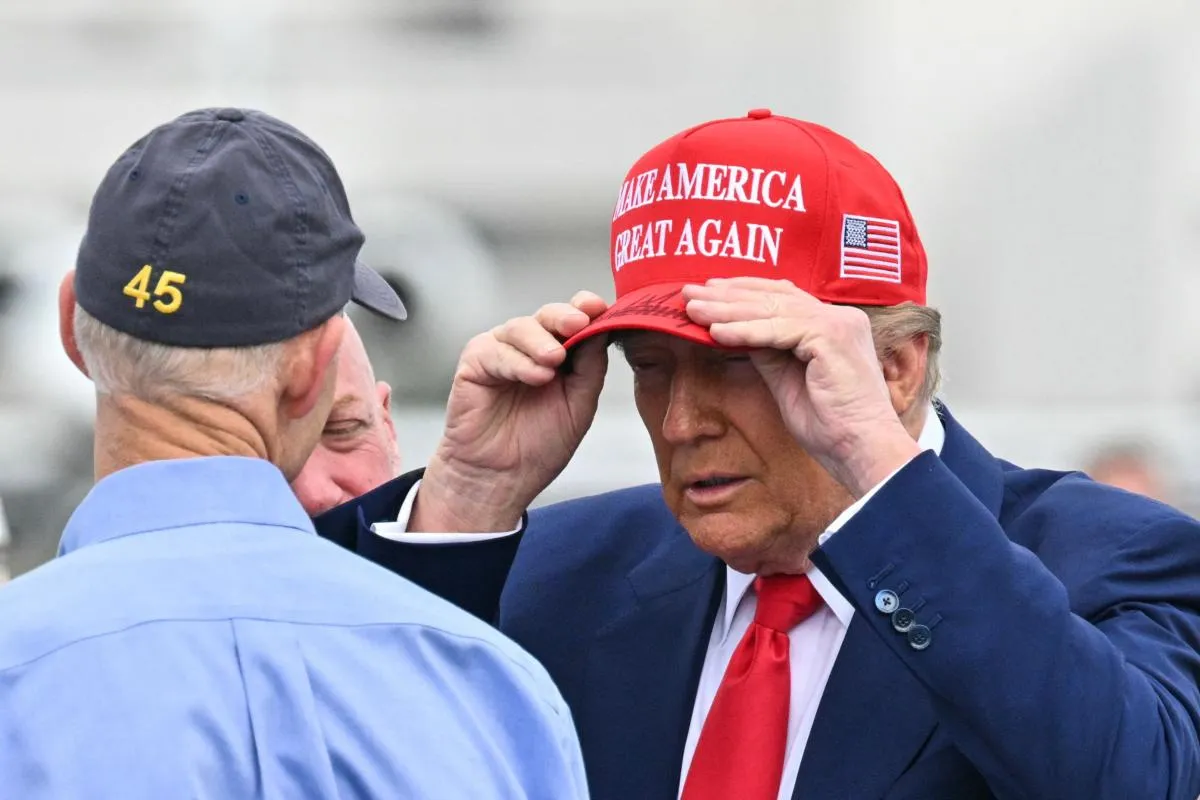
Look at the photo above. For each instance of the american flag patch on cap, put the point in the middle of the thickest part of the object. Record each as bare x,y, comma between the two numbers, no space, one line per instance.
870,248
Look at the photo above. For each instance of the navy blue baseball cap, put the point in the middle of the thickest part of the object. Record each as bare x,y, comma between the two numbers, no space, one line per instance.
224,228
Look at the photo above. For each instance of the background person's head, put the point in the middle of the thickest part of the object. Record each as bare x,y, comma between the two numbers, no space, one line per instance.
358,450
206,303
776,198
1132,466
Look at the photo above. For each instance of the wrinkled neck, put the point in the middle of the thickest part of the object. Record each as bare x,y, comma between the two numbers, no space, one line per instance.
132,431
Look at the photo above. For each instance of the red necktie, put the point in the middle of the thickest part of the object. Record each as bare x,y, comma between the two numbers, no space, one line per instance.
744,738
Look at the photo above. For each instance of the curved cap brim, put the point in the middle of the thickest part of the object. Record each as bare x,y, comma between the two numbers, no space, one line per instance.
658,307
374,293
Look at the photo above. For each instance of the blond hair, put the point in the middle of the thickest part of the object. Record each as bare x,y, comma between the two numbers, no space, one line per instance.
891,326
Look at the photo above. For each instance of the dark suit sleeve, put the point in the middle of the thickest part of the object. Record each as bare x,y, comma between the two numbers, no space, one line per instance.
471,576
1047,700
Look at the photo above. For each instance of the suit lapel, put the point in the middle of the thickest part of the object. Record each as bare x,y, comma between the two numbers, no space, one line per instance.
643,670
872,720
345,524
972,464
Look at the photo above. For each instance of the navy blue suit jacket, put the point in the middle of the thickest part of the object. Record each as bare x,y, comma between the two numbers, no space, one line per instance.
1064,618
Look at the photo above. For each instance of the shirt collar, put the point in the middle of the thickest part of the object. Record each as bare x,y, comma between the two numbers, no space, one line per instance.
184,492
737,584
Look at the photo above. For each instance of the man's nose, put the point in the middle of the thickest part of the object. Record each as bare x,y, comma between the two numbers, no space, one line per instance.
315,489
692,410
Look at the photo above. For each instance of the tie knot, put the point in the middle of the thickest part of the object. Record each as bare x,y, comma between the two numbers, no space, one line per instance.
784,601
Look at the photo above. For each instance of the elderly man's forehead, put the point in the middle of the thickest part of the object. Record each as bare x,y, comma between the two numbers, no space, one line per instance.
353,362
355,386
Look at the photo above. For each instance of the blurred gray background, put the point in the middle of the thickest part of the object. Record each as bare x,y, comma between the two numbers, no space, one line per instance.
1048,149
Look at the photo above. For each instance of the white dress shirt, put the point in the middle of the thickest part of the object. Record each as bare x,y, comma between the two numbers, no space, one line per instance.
815,642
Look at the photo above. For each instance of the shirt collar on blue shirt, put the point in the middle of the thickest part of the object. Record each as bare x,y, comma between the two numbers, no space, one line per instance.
737,584
189,491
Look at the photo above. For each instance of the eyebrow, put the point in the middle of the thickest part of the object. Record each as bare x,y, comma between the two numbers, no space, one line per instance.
345,402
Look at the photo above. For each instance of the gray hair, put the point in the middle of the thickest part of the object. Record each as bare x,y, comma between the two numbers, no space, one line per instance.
891,326
122,364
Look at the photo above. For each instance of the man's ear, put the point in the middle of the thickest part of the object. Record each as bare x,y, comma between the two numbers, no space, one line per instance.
904,371
384,392
66,322
314,355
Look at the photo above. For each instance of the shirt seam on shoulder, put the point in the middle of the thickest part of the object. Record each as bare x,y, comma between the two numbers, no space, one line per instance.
185,525
508,658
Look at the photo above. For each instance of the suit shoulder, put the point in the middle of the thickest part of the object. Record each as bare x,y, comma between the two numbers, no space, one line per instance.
1053,498
646,498
622,525
1093,535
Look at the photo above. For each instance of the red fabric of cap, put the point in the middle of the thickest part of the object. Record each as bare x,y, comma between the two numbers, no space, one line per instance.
760,196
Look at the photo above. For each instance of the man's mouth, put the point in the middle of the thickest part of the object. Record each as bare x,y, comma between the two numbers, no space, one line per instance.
713,491
709,483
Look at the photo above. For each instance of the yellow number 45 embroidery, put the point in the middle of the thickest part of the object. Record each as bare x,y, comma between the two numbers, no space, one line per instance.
167,287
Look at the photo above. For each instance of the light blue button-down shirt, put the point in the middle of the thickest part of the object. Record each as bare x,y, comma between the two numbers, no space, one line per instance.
196,639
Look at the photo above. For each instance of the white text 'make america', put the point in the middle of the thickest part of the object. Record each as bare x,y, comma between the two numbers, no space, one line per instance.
756,186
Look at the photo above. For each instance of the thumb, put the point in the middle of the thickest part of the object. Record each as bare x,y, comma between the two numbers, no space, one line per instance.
588,369
773,366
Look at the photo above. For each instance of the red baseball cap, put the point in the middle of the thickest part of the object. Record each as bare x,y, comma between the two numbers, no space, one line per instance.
759,196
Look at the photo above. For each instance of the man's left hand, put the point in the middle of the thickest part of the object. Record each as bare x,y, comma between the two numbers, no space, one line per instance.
819,362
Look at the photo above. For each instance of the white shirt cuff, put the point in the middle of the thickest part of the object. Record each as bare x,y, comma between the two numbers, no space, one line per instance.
398,531
849,513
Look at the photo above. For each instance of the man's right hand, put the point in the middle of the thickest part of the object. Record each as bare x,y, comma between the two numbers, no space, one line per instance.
513,420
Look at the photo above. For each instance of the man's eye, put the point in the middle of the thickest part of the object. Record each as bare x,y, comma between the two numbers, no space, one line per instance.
343,427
